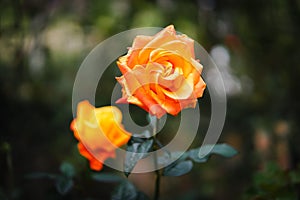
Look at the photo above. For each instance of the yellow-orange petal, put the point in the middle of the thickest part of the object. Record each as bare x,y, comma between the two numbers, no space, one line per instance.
95,164
199,88
140,41
149,104
99,132
184,91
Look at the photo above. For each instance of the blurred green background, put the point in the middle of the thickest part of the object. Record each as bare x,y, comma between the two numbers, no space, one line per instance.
255,44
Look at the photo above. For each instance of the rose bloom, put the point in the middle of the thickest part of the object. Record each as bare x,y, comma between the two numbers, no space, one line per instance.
161,74
99,132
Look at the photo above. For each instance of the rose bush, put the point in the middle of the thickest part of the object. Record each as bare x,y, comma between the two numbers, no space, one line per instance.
161,74
99,132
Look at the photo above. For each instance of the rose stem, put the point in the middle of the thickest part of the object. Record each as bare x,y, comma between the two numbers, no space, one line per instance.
157,181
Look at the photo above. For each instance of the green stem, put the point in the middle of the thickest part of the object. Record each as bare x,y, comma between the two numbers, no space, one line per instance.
157,185
157,172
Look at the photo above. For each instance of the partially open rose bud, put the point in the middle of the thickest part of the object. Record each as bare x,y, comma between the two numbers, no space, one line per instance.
99,132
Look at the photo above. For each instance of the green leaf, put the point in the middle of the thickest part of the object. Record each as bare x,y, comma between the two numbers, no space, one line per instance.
207,150
172,156
181,156
224,150
64,184
178,168
152,119
67,169
107,177
128,191
135,152
140,136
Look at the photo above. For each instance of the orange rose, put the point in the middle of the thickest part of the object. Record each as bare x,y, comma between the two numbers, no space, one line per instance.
160,73
99,132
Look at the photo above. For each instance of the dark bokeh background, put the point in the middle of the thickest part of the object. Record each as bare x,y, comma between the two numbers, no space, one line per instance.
255,44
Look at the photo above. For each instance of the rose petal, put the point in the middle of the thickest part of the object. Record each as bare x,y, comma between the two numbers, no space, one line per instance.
199,88
164,36
184,92
94,163
190,43
140,41
134,79
179,47
99,132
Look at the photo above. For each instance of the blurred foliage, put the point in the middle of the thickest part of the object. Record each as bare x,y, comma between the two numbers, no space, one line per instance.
42,44
274,183
63,181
